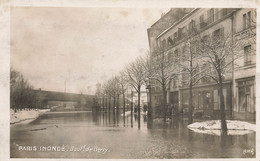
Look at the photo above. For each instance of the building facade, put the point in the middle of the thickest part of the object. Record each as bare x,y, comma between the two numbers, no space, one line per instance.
205,24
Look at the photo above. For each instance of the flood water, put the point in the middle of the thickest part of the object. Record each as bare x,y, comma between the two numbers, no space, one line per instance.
92,135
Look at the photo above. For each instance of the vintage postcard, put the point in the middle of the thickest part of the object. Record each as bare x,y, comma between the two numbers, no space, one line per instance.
130,80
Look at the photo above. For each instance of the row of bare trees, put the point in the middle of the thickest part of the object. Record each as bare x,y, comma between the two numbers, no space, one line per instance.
202,57
133,77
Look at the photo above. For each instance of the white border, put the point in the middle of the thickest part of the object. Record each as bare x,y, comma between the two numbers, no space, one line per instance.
5,51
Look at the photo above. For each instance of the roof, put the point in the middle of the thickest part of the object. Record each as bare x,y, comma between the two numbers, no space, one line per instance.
161,17
61,96
177,22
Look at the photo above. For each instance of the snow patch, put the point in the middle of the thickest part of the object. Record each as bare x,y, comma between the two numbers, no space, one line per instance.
25,114
127,113
213,127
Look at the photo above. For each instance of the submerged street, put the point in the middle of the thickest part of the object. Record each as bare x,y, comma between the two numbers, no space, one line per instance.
91,135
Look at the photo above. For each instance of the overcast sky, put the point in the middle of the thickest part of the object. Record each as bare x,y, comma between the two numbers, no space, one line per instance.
80,45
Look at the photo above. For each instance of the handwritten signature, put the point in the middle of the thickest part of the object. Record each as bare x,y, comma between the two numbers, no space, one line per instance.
249,151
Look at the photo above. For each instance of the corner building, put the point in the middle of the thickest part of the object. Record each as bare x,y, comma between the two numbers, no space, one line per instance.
239,82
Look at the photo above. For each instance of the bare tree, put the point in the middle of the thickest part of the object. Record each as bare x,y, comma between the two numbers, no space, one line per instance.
122,80
118,91
189,66
98,93
162,72
109,93
219,53
111,90
135,74
147,67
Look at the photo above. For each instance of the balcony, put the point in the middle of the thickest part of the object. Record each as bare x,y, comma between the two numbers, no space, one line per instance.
218,16
246,63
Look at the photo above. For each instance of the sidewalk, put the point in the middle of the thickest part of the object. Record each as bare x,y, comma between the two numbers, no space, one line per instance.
25,115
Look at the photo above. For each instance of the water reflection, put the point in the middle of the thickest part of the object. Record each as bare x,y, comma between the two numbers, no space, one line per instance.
121,135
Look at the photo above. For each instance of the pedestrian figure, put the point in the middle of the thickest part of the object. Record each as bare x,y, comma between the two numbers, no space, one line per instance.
135,110
145,107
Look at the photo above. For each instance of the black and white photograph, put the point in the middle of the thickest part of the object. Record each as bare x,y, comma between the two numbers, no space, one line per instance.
132,82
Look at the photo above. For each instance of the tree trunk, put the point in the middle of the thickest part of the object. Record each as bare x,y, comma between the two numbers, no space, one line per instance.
190,104
131,108
138,107
124,107
117,110
149,111
164,104
190,90
103,109
222,107
106,111
100,108
109,107
114,110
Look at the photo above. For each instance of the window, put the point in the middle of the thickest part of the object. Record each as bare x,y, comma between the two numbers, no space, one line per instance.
202,22
175,36
170,42
205,99
216,14
246,94
247,55
176,56
225,98
207,70
180,32
216,100
244,21
211,16
184,31
174,81
224,11
192,27
218,34
195,74
247,18
205,38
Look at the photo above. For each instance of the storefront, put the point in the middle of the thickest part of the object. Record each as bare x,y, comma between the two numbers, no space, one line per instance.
206,99
245,95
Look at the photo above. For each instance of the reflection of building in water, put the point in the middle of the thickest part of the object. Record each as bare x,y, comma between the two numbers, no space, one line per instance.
239,83
48,99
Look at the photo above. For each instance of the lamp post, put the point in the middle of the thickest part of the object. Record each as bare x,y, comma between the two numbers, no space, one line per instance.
149,101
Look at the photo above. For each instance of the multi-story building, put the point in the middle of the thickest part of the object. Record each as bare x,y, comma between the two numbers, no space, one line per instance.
239,81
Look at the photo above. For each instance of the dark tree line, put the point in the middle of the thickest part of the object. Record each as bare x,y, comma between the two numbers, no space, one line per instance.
22,94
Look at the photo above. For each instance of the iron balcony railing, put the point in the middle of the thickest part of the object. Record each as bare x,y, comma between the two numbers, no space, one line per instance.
198,27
